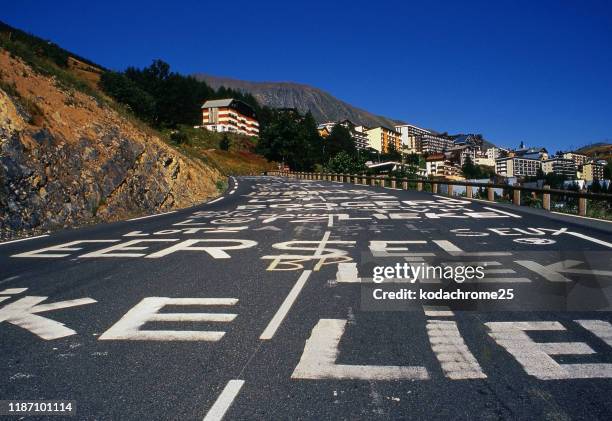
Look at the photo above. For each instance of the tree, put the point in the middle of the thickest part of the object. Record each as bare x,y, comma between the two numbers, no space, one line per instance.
224,144
339,140
342,162
292,139
392,154
127,92
470,170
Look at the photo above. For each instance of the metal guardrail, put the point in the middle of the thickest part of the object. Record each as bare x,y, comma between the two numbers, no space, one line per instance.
419,183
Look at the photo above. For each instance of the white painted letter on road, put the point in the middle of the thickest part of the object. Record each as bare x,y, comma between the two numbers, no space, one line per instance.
129,327
321,351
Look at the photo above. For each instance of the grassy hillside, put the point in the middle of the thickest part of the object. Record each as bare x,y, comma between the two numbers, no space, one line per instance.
597,150
240,159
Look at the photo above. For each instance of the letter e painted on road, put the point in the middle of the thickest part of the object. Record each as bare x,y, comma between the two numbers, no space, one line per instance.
147,311
535,357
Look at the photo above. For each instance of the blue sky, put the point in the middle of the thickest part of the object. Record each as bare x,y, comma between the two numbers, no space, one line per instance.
538,71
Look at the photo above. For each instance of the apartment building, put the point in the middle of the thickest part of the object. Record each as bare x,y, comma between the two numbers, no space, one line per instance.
430,143
438,165
578,159
592,171
517,167
461,153
381,137
559,166
484,160
495,152
409,135
229,115
360,138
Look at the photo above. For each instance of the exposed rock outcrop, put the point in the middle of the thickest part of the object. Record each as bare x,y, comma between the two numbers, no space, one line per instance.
68,159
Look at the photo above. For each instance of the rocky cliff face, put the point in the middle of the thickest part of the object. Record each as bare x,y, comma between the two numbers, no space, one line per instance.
323,106
67,159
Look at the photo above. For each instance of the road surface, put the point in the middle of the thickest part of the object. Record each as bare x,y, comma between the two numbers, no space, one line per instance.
260,305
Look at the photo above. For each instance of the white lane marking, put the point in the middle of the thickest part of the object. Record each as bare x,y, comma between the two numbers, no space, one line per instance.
330,220
213,201
129,326
438,311
24,239
535,356
224,401
591,239
10,291
318,359
322,244
233,191
151,216
280,315
513,215
599,328
451,351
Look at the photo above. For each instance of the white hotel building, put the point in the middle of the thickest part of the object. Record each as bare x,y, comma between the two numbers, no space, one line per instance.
229,115
517,167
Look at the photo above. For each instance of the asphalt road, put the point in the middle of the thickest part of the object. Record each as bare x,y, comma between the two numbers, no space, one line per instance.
260,305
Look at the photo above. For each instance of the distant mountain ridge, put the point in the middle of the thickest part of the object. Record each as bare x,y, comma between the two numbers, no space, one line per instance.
323,106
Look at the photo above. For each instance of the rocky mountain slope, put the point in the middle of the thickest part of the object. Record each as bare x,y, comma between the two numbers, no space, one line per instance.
67,158
323,106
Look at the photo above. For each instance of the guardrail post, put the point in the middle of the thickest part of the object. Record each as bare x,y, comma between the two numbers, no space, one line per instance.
582,205
393,183
516,196
405,184
363,179
490,194
434,188
419,186
546,198
373,181
449,190
469,192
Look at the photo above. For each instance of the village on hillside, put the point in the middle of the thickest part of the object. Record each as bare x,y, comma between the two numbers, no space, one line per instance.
433,154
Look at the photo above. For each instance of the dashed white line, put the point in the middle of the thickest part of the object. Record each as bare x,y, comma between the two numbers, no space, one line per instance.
24,239
280,315
152,216
224,401
213,201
